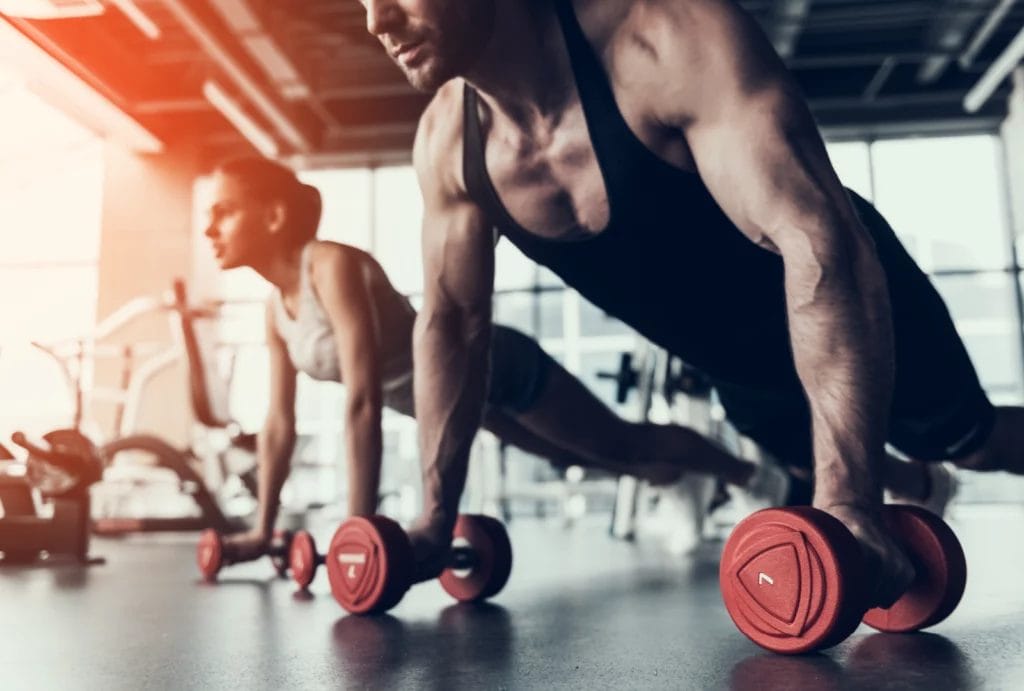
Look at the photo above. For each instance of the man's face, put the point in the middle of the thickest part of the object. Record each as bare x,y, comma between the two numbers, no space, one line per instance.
432,41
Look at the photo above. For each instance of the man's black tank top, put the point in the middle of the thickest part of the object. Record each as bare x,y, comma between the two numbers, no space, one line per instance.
669,263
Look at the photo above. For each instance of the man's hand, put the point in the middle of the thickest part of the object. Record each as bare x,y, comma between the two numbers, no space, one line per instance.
430,547
887,567
246,546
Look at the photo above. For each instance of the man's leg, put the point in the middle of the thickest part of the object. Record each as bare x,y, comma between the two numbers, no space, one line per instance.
568,416
504,426
1004,448
560,412
908,478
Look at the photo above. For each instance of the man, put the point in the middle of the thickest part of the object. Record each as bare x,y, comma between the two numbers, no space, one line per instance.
657,156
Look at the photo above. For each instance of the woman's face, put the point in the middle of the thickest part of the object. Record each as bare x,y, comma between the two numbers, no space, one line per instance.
241,229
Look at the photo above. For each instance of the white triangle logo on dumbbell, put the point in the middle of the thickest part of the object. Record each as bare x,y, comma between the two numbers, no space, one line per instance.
763,578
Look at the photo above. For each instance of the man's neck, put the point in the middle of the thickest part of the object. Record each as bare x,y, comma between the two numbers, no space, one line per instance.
524,72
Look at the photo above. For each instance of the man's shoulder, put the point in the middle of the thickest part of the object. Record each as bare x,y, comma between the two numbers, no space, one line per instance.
440,124
437,152
657,22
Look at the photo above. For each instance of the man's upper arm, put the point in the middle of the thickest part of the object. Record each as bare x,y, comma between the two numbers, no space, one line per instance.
458,245
754,140
282,374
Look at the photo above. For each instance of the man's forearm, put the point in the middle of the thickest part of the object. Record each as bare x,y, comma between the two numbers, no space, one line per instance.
274,452
841,329
450,389
364,449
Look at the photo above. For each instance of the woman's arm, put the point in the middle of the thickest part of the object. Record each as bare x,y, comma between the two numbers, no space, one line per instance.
341,288
276,440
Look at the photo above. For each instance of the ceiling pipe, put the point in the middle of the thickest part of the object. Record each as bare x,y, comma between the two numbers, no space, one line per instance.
988,27
950,33
999,70
245,83
142,21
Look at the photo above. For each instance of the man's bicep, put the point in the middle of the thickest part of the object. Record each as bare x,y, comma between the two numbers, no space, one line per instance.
458,259
457,239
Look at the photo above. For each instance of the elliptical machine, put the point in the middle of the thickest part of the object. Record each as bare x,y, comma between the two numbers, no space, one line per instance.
130,456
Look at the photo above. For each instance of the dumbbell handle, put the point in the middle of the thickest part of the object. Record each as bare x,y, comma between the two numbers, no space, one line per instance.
459,558
276,549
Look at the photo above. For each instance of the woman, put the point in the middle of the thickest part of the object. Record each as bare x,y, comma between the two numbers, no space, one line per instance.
335,316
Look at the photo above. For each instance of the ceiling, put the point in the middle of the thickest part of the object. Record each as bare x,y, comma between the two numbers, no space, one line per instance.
311,80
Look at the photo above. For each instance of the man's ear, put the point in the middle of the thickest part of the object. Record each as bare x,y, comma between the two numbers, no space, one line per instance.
277,214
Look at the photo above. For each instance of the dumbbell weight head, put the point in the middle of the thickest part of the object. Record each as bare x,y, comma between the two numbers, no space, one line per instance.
485,542
303,559
210,554
784,542
941,568
211,559
792,579
369,564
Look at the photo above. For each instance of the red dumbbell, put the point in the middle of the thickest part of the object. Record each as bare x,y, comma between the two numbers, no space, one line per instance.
793,579
210,553
303,559
370,562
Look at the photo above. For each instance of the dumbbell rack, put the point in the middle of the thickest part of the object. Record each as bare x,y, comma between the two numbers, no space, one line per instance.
24,534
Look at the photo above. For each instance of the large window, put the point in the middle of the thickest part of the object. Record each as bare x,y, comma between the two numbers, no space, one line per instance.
944,197
51,176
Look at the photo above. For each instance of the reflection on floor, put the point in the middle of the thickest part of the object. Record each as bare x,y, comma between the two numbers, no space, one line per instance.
581,610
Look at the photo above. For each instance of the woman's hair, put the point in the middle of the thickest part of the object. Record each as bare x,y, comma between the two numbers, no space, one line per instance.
266,180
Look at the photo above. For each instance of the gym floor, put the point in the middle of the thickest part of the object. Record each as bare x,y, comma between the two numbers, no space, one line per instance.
581,610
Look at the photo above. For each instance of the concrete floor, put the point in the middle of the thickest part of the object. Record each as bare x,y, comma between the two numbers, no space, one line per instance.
581,611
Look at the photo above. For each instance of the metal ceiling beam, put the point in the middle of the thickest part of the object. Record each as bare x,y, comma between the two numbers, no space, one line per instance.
926,98
874,87
268,52
950,33
984,33
239,76
867,59
359,91
264,49
172,105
